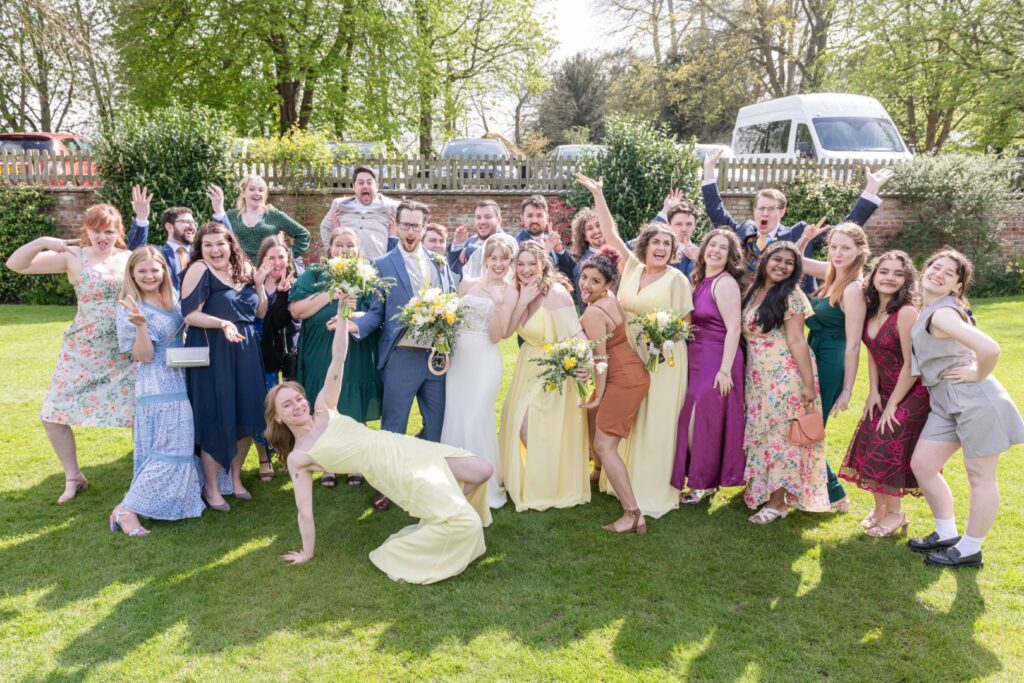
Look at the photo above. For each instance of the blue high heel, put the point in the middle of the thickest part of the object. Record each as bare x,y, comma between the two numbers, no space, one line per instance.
115,524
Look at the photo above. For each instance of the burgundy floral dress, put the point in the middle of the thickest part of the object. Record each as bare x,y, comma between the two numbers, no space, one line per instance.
876,462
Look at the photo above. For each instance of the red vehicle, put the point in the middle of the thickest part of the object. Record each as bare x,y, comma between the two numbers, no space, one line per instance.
46,171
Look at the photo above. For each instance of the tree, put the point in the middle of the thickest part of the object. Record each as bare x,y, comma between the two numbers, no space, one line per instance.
575,99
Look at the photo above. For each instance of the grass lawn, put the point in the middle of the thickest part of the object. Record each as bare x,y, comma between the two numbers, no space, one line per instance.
704,595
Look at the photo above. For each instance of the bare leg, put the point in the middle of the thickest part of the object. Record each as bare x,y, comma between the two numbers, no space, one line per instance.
893,510
128,520
237,462
471,471
607,448
878,513
210,491
981,474
927,463
591,432
62,439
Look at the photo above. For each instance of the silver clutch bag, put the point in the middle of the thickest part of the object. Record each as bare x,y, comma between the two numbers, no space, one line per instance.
189,356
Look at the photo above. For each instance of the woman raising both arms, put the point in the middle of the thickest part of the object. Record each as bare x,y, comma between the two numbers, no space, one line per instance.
420,476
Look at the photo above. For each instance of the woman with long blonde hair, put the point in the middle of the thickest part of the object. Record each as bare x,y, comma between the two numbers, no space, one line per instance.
93,383
835,328
254,219
439,484
166,481
543,446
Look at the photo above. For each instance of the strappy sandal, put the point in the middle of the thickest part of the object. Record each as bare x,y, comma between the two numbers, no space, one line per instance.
264,475
694,496
380,502
115,524
767,515
80,485
879,531
355,480
636,528
870,521
328,481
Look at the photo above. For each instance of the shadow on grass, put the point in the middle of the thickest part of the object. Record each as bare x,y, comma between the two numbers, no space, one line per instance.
704,585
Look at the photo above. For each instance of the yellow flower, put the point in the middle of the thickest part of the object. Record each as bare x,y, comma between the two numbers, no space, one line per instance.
569,363
671,362
548,347
651,317
550,387
339,267
449,318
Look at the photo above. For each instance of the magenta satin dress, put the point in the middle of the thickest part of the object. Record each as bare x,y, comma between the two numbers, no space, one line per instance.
716,457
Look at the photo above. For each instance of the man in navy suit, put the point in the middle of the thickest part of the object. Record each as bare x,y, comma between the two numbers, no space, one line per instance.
537,227
770,207
464,255
403,365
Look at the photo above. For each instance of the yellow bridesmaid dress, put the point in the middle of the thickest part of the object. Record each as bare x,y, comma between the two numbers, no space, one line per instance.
649,450
552,469
413,474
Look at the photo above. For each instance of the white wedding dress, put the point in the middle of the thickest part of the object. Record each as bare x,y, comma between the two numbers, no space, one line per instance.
471,391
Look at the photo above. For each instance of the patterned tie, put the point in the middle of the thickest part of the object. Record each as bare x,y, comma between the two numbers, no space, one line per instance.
182,258
424,275
762,242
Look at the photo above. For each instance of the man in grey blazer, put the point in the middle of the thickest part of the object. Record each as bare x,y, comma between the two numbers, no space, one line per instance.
367,212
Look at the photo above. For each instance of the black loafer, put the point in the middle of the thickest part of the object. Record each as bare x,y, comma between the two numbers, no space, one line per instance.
951,557
931,542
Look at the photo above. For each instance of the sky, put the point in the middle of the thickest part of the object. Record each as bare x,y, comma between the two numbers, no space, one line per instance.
580,27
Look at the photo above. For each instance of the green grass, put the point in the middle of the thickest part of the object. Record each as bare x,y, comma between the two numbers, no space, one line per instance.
704,595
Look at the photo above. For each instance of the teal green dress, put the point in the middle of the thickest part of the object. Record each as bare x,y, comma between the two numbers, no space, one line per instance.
361,390
828,342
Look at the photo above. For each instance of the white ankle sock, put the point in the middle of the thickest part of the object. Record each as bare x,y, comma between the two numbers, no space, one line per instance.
968,545
946,528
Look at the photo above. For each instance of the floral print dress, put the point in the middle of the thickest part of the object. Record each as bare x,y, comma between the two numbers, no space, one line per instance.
772,391
94,383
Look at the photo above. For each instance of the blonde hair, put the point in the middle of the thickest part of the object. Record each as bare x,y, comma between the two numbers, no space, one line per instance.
548,274
341,230
129,288
500,240
279,435
244,183
835,283
100,217
775,195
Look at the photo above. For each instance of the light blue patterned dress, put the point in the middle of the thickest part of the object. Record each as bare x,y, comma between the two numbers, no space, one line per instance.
166,483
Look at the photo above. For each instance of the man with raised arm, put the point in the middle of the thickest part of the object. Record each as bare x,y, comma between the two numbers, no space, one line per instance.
367,212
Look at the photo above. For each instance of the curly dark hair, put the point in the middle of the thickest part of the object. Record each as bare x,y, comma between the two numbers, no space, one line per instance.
238,262
771,314
734,262
907,293
606,262
578,244
647,233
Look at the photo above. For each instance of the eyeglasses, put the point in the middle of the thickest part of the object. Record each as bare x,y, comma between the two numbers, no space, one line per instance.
186,221
407,227
767,209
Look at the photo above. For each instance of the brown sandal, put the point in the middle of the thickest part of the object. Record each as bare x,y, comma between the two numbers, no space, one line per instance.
380,502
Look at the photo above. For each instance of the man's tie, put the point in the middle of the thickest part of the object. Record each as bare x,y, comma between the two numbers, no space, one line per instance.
182,258
424,275
762,242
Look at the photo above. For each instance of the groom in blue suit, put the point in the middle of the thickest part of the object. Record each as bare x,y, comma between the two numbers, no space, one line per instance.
403,366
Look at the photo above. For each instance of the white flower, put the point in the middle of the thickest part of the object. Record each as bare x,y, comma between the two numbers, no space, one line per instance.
600,368
667,346
366,271
663,318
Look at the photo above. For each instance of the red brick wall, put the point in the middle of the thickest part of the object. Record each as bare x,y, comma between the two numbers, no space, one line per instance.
455,209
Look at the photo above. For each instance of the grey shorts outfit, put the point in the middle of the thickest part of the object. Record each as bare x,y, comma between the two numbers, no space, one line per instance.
980,415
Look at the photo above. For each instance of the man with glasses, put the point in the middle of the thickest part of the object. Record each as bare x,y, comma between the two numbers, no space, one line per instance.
367,212
403,363
770,207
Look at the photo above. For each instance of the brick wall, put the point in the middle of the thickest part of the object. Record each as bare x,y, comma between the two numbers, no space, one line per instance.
455,209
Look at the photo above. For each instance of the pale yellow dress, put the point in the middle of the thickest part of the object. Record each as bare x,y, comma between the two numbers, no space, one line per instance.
413,474
552,470
649,451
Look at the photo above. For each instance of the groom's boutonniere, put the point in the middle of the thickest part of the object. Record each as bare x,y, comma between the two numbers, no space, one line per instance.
438,259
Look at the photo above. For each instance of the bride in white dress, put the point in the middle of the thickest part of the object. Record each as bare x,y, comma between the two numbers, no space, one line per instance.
474,377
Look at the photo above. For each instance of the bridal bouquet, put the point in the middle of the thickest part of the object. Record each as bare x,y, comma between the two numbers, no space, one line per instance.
659,331
433,318
561,360
352,276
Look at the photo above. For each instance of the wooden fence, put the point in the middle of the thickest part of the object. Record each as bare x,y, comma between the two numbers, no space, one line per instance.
462,175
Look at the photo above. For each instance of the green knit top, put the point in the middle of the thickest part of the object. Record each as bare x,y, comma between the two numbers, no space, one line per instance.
273,222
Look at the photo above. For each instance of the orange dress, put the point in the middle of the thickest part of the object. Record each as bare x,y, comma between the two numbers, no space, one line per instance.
625,388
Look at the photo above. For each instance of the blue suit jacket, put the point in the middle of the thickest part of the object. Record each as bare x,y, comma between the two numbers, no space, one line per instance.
172,264
747,230
382,311
137,235
564,261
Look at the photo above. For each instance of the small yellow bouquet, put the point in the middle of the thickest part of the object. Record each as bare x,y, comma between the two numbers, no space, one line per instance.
433,318
352,276
659,332
562,359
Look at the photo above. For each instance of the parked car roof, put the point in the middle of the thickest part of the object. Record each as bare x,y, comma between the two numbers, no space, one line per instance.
567,152
472,147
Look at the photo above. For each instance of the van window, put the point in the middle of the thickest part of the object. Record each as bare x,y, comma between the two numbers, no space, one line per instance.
857,134
804,142
771,137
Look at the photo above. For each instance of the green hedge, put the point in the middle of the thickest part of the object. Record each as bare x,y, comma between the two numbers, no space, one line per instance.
25,214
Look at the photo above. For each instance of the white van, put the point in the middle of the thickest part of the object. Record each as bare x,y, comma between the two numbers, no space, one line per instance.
818,126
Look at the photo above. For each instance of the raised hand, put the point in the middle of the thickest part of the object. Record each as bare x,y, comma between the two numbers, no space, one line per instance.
135,315
461,235
690,251
216,196
812,231
873,182
55,244
529,292
141,198
674,196
262,273
552,241
594,187
711,163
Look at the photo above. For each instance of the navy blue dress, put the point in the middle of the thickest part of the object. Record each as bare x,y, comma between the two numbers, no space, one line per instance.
227,396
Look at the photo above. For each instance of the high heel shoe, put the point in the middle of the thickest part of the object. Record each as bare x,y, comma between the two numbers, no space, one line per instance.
636,528
80,485
694,496
881,531
115,524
